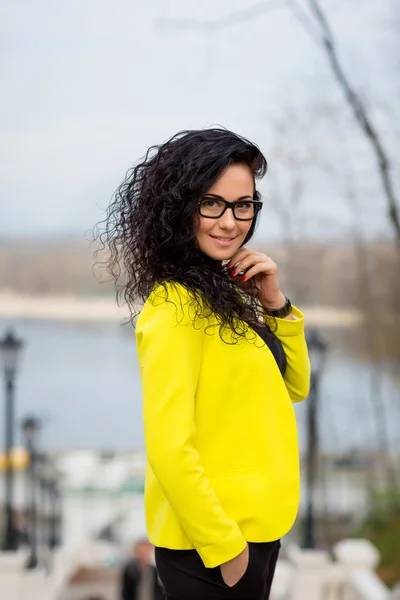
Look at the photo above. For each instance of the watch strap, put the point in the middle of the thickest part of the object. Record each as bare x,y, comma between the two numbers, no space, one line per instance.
280,313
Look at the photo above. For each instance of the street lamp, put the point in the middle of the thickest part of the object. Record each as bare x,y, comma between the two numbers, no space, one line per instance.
30,428
317,350
55,515
42,479
49,481
10,347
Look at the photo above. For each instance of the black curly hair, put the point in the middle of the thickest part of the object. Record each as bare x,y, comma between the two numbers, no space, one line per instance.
149,231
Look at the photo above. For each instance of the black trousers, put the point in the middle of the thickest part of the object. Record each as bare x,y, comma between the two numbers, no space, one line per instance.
184,576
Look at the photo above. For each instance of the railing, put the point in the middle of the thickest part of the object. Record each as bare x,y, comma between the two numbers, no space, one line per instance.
301,575
314,575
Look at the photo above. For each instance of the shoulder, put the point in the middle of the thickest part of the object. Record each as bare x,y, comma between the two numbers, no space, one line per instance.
170,291
170,303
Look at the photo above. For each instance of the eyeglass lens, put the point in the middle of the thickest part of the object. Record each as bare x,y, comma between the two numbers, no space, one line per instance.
213,208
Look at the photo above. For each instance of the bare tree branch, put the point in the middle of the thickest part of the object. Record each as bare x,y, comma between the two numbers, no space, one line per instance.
373,335
231,19
304,20
361,115
325,38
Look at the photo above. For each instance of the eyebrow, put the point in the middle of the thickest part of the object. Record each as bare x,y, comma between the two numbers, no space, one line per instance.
222,198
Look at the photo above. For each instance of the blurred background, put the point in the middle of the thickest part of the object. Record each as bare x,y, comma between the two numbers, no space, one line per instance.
87,87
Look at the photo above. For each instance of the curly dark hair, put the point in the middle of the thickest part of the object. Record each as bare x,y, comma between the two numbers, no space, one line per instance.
149,229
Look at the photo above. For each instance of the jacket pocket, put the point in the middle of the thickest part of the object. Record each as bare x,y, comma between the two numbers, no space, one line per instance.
243,578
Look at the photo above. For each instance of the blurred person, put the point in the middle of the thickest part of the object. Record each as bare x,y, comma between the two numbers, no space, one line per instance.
139,576
222,356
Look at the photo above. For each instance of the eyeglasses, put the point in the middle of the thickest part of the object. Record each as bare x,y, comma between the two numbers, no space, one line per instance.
243,210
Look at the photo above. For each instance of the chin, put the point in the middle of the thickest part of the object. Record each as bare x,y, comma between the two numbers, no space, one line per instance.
223,254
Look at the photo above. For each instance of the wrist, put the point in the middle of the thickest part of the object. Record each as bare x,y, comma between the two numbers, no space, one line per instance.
274,303
280,312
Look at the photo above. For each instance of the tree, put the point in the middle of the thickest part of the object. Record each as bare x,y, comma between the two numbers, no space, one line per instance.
318,27
360,112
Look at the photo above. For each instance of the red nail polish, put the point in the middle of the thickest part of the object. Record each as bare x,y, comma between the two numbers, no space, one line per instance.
233,273
229,265
244,278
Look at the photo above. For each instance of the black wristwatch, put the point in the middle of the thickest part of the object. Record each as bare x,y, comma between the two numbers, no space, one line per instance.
280,313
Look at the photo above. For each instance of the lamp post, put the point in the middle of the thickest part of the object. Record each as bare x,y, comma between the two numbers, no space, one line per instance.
43,466
30,428
316,349
10,348
49,481
55,518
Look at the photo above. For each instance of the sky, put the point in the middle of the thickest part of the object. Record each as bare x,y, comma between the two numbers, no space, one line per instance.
88,85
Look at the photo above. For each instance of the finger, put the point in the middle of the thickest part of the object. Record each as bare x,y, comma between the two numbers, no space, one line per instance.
238,256
243,254
244,262
259,268
249,261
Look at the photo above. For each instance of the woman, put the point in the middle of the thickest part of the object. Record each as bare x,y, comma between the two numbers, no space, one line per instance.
222,357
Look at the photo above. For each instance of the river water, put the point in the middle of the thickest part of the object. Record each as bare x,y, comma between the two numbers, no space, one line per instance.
82,379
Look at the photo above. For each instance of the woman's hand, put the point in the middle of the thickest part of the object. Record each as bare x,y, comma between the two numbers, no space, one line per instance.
233,570
263,271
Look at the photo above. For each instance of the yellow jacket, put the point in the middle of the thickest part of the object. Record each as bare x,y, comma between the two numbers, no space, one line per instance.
220,431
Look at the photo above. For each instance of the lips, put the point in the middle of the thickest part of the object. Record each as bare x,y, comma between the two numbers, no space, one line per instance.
222,239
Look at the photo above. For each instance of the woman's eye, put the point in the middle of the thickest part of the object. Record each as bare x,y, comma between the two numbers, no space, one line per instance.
243,205
209,202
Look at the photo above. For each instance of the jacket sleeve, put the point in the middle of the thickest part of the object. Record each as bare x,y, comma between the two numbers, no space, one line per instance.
170,352
297,375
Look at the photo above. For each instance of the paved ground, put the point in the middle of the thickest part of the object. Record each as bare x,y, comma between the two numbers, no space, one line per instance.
18,584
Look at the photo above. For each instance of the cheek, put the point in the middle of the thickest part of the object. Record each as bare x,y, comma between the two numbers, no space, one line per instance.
244,228
203,226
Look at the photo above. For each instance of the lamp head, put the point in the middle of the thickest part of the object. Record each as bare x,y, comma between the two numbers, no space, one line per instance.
10,347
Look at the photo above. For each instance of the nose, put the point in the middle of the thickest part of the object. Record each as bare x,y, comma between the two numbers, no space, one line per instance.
227,221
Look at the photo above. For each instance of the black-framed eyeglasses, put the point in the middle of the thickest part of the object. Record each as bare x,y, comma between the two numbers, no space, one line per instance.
243,210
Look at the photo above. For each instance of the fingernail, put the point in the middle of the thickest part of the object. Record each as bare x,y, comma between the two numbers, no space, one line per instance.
244,278
233,273
228,266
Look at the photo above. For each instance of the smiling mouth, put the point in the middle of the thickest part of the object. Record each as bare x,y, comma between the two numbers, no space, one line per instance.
223,239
